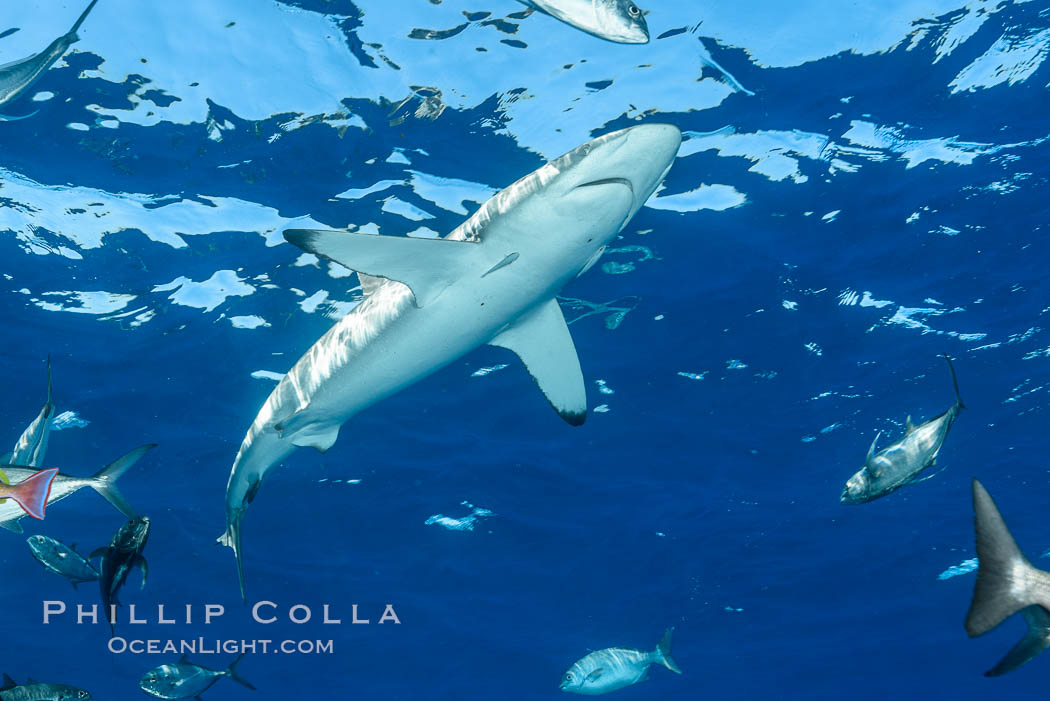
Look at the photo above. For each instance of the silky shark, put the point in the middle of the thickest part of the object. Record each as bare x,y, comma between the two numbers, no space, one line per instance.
428,302
104,482
1006,583
901,463
615,20
19,76
32,444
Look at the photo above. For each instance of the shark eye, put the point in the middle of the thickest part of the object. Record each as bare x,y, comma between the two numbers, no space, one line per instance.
633,10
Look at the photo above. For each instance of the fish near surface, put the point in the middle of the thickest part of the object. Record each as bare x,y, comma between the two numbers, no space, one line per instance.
1006,583
123,553
620,21
32,444
494,280
18,76
62,559
104,482
186,680
616,667
36,691
900,463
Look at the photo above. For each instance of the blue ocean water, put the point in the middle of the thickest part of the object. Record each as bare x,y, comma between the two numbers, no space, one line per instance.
879,200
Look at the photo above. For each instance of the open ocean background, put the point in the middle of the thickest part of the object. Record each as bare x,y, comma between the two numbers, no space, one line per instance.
879,200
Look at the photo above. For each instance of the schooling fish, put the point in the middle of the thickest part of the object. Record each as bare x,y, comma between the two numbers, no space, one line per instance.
123,553
104,482
615,20
186,680
35,691
1006,583
616,667
32,444
62,559
19,76
900,463
31,493
494,280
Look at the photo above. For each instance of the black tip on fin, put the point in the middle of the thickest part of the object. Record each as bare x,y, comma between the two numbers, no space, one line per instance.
574,418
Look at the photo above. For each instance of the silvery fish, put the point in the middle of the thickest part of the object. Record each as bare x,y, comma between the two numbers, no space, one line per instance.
186,680
104,482
901,463
62,559
615,20
35,691
18,76
616,667
32,444
123,553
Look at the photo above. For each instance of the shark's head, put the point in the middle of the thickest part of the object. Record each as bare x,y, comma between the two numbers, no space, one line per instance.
856,489
620,21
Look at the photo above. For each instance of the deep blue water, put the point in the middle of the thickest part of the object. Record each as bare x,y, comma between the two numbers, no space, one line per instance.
879,201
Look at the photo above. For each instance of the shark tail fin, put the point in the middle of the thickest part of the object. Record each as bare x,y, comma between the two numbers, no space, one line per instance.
105,480
1006,581
231,672
955,383
232,539
662,654
32,492
80,20
1036,639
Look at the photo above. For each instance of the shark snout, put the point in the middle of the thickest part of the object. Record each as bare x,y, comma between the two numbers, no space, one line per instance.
640,157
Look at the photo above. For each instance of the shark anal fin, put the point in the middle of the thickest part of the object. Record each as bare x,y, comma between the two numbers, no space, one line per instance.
427,266
542,340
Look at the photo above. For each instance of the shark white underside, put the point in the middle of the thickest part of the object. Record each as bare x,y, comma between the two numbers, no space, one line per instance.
430,301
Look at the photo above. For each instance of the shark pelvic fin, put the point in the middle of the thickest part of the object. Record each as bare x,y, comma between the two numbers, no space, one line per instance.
427,266
542,340
1036,639
303,431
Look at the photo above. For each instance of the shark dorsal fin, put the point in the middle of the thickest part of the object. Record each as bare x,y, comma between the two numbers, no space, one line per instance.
185,659
427,266
9,683
541,339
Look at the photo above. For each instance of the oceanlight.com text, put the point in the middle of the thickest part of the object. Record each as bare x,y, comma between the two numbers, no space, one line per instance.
204,646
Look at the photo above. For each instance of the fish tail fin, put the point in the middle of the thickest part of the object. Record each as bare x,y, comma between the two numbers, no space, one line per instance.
231,672
232,539
662,654
32,492
105,480
1006,581
80,20
1036,639
955,383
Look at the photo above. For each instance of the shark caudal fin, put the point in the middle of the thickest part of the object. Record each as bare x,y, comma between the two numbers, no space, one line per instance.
105,481
32,492
1035,641
662,654
955,383
1006,581
232,539
80,20
231,672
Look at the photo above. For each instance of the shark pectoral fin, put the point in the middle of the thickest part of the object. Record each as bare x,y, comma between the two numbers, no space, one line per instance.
12,526
542,340
1036,639
369,283
427,266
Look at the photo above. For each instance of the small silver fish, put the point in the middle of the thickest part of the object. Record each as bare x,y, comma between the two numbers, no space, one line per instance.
186,680
62,559
615,20
616,667
900,463
35,691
